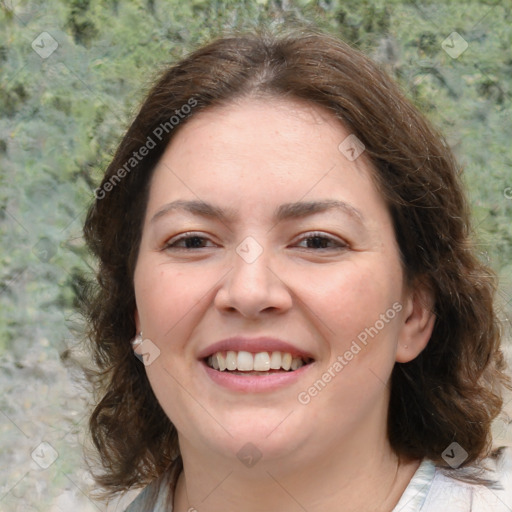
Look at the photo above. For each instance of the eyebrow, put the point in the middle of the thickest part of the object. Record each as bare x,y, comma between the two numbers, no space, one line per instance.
285,211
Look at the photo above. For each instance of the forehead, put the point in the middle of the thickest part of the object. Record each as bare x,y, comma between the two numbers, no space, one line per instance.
261,150
269,126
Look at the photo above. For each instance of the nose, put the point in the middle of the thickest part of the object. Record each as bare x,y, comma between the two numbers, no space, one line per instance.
252,287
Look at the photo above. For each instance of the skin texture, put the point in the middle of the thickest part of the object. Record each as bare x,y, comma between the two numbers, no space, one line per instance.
329,454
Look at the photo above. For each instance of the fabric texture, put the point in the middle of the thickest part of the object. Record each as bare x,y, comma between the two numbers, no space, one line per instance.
431,489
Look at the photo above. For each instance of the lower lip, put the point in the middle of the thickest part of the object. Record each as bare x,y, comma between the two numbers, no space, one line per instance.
254,383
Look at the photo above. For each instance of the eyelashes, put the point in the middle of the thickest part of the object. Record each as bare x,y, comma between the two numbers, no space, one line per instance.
322,239
315,241
186,238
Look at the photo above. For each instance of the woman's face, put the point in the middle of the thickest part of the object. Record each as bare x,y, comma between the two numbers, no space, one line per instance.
266,241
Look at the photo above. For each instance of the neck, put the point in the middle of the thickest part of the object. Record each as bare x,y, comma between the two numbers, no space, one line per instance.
344,480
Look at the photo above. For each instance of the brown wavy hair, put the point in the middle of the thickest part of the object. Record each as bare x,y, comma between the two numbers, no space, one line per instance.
450,392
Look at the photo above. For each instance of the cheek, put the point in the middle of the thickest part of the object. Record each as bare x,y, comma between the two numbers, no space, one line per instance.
169,301
166,296
360,325
357,314
351,298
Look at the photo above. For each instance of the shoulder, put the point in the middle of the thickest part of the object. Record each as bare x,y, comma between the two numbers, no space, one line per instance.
155,497
151,499
158,495
436,489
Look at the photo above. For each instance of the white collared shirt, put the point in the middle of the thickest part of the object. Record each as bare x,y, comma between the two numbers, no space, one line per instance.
431,489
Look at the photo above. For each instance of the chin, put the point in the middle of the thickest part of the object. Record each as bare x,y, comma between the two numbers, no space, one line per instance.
266,435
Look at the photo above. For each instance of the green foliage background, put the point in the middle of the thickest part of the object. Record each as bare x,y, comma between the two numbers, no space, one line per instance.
61,118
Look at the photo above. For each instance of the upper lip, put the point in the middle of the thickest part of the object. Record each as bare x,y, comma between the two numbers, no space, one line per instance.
254,345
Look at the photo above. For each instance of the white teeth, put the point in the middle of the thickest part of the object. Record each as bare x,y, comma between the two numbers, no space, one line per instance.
275,361
244,361
262,362
221,360
286,361
231,360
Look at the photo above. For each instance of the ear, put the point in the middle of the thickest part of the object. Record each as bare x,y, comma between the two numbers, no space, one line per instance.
419,319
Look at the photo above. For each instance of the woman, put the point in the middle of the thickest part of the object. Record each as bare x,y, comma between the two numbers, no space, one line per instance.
284,240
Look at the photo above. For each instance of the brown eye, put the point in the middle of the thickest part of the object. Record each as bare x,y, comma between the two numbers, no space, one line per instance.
187,241
321,241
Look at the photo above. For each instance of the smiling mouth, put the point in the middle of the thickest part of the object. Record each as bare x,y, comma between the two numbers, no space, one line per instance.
260,363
